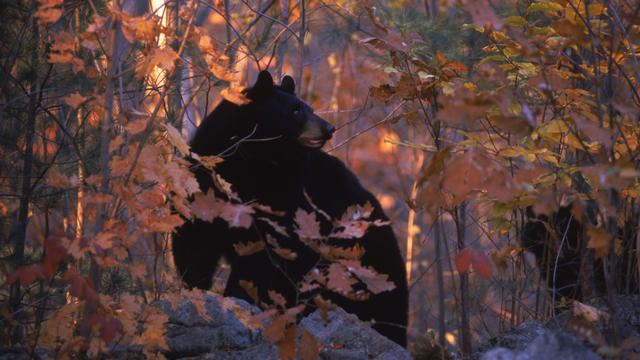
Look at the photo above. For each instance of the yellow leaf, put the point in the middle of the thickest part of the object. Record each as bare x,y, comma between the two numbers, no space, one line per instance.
176,139
164,58
136,126
74,100
60,58
234,95
64,42
47,15
599,240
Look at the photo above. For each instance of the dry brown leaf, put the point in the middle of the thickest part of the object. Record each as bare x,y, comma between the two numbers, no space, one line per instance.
249,248
234,95
309,346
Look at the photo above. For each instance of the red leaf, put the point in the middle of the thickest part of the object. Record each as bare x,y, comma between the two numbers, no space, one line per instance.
482,264
463,261
109,329
55,253
25,274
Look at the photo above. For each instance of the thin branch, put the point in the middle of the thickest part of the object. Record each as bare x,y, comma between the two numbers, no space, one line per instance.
154,115
369,127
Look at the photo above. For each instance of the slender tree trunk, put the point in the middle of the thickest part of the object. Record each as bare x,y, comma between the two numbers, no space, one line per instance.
442,330
282,51
465,328
20,227
95,272
303,30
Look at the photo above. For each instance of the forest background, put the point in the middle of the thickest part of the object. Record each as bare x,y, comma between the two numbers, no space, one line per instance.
457,114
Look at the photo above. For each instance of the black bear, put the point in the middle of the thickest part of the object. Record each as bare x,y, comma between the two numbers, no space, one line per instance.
568,266
271,151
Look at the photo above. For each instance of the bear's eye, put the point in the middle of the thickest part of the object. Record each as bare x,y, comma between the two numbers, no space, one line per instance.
297,110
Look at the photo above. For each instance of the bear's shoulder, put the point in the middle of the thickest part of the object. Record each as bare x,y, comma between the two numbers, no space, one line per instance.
332,186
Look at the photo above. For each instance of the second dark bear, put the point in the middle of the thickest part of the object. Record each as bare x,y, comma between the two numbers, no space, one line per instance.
568,265
271,148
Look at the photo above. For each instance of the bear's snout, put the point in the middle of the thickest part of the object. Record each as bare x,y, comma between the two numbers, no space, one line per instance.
316,132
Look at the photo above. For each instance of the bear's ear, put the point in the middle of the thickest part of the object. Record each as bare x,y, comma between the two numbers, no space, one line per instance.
287,84
264,84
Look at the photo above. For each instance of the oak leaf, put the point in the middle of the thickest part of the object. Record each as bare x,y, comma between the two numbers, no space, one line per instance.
599,240
250,288
234,95
74,100
287,345
46,14
176,139
340,279
307,226
249,248
309,346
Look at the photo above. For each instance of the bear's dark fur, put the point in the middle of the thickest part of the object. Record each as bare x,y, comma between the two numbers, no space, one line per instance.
271,148
563,253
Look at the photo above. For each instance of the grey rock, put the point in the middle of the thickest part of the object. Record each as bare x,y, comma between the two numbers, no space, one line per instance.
532,340
222,336
357,340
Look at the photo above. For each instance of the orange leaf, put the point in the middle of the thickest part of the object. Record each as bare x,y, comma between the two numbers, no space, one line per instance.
340,279
164,58
287,346
237,215
274,331
277,299
138,270
307,225
176,139
56,179
136,126
250,289
309,346
599,240
64,42
234,95
376,283
47,15
277,227
249,248
205,207
286,253
60,58
74,100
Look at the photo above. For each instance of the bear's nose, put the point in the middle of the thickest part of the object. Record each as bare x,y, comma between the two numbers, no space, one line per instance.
328,131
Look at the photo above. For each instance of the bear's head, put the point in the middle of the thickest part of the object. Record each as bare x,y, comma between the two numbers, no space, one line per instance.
281,115
275,125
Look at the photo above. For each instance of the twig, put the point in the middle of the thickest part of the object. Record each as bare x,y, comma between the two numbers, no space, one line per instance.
555,268
149,128
303,30
369,127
